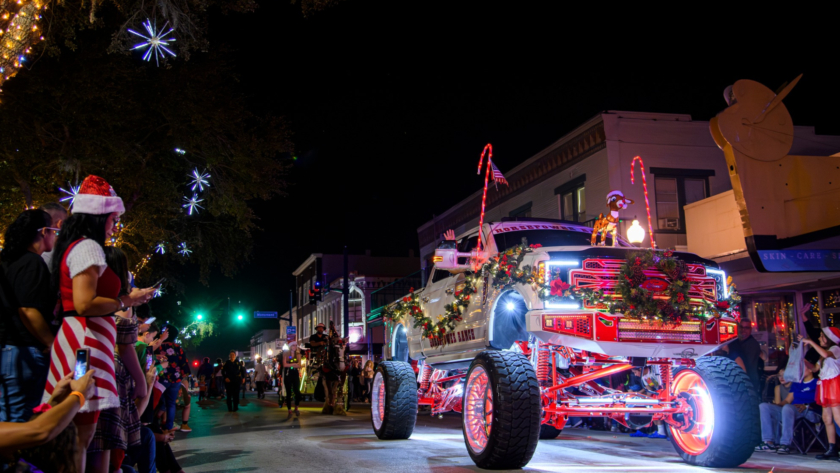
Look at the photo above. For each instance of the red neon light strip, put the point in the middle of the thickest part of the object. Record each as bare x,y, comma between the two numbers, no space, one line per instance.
647,202
591,376
488,150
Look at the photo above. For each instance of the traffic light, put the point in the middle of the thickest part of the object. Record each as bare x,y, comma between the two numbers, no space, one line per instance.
195,363
199,316
239,317
315,293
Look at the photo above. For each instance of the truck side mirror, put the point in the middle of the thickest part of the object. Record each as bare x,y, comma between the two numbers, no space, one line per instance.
446,258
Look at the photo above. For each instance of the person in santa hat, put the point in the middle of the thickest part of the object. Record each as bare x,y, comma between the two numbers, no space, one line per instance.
89,297
828,387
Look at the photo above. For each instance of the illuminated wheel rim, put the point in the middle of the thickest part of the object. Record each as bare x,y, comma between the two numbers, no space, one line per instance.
377,401
695,440
478,409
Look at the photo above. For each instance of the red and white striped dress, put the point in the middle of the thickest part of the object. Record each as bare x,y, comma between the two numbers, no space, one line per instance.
97,333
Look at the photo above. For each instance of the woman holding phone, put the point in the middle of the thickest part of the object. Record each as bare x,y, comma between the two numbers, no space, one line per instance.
90,295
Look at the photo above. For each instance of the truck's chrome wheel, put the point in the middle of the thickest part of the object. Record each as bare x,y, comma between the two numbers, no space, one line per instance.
377,401
695,440
478,409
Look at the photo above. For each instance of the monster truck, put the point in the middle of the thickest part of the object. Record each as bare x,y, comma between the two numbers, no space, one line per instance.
517,367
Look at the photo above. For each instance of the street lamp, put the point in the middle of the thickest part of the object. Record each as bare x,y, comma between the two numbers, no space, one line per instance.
270,352
635,234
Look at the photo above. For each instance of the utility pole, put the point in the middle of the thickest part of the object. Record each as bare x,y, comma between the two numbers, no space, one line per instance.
346,295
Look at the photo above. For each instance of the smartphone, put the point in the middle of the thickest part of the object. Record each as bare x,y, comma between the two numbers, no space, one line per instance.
159,283
82,362
149,320
150,360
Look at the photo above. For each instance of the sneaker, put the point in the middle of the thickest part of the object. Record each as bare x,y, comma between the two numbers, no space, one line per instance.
766,447
297,412
656,435
185,428
638,434
783,450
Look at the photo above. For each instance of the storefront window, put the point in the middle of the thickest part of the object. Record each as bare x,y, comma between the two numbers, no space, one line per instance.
812,315
831,307
772,321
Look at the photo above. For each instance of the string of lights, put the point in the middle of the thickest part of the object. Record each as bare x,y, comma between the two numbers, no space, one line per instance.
19,31
647,202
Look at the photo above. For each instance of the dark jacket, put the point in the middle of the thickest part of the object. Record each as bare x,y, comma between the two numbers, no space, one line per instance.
233,371
205,370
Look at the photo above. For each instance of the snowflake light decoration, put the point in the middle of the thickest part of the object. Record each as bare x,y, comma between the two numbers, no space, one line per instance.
180,151
199,180
184,250
192,203
71,194
158,292
156,42
160,248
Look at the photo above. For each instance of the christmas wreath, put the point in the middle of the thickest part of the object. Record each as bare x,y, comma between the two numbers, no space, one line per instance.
506,267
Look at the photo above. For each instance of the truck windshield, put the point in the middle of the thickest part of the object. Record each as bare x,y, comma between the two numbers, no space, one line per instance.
546,238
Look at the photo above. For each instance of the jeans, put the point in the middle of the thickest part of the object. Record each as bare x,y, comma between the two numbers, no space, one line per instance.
292,382
777,422
220,386
170,397
369,386
23,376
233,395
260,389
142,455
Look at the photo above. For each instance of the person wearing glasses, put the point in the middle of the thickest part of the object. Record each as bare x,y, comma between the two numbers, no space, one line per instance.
59,215
26,329
747,352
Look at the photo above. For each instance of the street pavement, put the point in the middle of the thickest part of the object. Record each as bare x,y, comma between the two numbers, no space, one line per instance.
260,437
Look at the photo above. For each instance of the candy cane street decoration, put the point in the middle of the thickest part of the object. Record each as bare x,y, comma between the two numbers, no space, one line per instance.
488,150
644,184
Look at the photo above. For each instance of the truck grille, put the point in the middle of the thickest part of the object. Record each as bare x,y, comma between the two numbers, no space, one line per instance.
603,274
636,330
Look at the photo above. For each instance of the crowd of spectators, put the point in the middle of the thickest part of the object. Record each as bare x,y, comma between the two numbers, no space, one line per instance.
64,293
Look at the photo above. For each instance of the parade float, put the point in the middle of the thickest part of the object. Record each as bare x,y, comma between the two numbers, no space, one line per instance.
521,318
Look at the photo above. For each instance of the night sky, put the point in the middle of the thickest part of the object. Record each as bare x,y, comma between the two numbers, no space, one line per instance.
391,103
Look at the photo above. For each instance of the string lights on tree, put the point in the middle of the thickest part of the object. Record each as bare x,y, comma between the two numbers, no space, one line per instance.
18,32
156,42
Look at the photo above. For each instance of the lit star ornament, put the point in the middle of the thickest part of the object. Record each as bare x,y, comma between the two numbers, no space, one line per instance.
156,42
192,203
71,194
160,248
199,180
184,250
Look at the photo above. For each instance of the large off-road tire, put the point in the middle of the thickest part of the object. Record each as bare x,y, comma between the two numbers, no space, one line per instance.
394,401
501,410
726,436
548,432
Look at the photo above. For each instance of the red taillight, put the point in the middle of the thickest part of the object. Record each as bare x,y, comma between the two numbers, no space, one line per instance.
727,331
577,325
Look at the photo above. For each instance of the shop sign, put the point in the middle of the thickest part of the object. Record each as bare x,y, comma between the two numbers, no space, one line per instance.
800,260
291,334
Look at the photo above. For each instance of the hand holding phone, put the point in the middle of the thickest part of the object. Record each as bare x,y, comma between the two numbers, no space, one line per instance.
150,360
159,283
82,362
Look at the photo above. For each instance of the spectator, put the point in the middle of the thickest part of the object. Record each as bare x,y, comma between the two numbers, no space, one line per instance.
260,378
234,375
175,375
246,381
143,454
26,329
353,383
289,367
747,349
58,214
779,417
368,374
147,342
205,375
185,415
164,457
90,295
828,389
48,439
220,385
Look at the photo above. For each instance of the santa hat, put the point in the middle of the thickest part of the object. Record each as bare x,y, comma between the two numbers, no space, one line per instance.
616,193
97,197
833,334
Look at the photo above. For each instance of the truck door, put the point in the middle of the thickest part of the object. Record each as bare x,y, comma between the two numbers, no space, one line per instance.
433,302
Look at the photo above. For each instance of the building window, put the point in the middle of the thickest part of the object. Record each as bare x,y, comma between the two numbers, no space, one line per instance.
524,211
571,198
673,190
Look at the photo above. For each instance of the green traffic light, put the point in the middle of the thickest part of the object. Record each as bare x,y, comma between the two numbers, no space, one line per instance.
239,317
199,316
